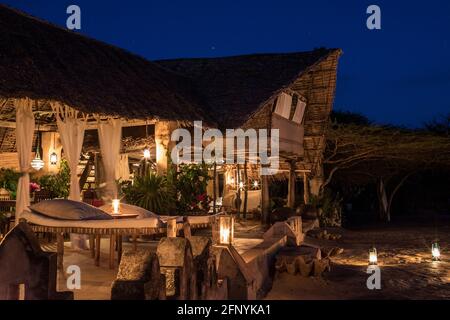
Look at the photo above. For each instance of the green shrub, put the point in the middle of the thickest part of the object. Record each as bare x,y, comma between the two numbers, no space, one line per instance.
149,192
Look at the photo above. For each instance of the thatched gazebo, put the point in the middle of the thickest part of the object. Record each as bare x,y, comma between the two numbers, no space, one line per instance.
56,80
60,81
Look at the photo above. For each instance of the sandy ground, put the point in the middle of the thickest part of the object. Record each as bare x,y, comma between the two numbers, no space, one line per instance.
404,255
407,271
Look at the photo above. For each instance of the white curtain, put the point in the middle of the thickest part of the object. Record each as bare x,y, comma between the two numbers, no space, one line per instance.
122,168
24,143
110,135
71,129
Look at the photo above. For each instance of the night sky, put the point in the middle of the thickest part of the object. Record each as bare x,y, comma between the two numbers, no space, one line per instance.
399,74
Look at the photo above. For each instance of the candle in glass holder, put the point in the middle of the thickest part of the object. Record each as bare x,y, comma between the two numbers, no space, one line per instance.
116,206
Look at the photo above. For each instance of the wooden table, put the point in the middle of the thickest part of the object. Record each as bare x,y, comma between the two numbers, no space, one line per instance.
113,242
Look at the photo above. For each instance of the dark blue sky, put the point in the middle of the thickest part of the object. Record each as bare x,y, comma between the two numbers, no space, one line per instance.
399,75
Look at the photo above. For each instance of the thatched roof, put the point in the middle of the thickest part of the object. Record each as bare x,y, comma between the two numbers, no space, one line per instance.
231,89
42,61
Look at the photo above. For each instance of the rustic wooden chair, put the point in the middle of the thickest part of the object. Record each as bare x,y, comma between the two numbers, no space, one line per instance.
23,262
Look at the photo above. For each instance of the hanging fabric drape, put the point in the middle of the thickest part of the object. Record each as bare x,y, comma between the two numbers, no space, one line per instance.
122,168
110,135
24,142
71,129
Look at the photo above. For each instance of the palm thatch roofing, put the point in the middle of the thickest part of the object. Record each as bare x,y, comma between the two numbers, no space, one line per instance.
43,61
232,89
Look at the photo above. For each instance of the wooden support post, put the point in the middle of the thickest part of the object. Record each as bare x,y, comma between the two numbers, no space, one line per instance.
60,251
306,195
215,188
238,198
172,228
291,186
246,186
265,200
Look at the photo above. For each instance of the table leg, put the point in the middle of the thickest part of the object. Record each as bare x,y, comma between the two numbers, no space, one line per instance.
97,250
119,248
60,251
112,248
134,242
92,245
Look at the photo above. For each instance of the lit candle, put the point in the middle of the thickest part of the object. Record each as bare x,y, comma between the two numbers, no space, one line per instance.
226,230
373,259
225,236
435,252
116,206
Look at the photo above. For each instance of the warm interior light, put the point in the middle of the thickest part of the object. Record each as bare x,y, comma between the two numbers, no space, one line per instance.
255,184
53,159
435,252
241,185
373,260
226,224
147,153
37,163
116,206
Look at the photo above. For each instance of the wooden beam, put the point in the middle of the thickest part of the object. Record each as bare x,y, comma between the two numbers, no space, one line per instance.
306,196
89,126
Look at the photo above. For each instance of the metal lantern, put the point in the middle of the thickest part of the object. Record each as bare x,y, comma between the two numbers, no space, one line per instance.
37,163
54,156
116,206
373,259
435,252
53,159
226,230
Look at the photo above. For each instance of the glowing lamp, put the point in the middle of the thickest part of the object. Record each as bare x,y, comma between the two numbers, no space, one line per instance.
53,159
435,252
37,163
116,206
373,260
241,185
255,184
147,153
226,230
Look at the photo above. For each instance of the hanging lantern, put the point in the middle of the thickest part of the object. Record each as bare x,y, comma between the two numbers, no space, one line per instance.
435,252
53,155
53,159
116,206
373,259
37,163
146,153
226,230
